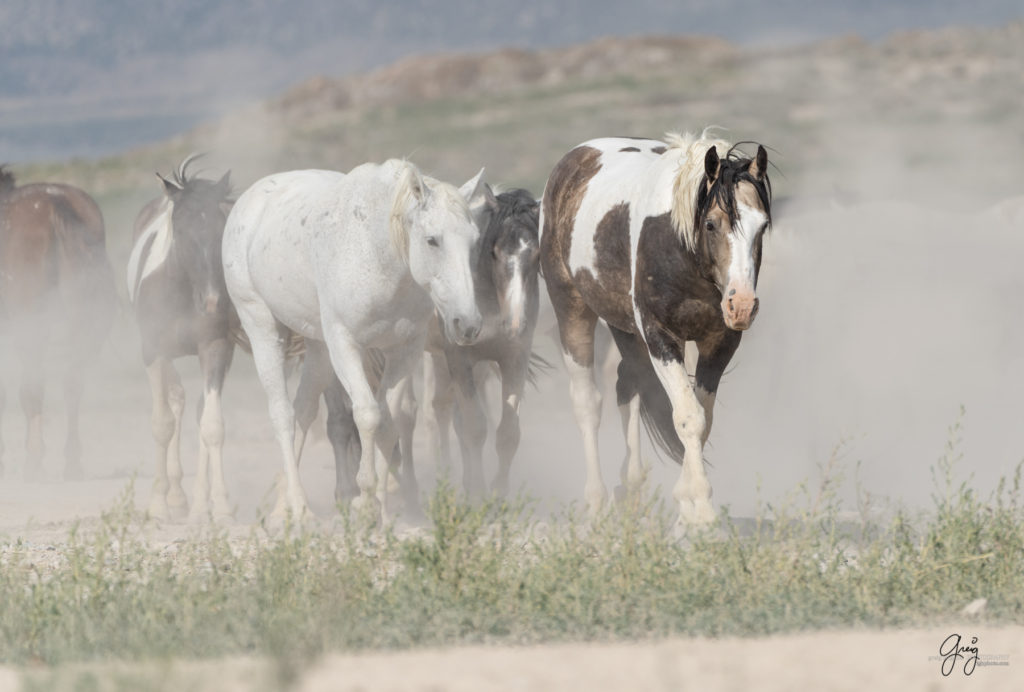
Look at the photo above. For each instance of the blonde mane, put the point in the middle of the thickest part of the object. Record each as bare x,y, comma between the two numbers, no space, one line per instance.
408,190
414,188
692,150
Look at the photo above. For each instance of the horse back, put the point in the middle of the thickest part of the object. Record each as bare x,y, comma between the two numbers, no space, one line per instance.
52,238
591,200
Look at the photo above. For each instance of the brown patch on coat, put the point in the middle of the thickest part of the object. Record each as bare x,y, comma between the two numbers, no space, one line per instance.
658,150
608,293
563,196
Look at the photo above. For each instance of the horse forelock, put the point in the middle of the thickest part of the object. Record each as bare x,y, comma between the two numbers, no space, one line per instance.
514,204
433,193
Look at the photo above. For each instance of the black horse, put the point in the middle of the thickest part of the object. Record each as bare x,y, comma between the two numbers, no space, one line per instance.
176,283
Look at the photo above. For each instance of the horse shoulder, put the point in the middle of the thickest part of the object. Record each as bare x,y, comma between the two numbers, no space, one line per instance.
669,294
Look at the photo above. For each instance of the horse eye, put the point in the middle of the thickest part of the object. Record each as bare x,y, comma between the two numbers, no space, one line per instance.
433,242
709,225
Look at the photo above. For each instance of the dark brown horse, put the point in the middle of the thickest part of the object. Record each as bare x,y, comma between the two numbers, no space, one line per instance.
661,240
56,294
176,283
508,296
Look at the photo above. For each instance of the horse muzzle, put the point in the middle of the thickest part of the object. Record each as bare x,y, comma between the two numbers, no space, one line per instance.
739,308
465,329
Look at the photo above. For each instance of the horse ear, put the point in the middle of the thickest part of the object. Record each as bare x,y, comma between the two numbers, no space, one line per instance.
171,188
224,184
712,165
472,187
759,166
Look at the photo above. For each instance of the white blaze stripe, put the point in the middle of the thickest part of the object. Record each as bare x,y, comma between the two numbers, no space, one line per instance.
741,246
515,296
160,230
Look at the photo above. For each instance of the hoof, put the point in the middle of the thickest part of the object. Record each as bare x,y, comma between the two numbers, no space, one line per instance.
366,509
696,513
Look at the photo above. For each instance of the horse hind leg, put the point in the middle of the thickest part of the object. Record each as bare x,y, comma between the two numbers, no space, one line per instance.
32,406
576,323
314,375
167,499
633,473
73,443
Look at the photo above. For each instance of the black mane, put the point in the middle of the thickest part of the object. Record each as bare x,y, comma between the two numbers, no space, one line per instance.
510,204
734,169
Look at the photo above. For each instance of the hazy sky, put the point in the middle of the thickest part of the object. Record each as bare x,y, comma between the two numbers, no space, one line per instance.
97,76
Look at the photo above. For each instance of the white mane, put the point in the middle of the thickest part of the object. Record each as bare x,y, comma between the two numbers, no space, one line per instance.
691,169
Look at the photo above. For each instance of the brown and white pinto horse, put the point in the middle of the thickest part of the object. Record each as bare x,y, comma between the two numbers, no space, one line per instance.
661,240
56,291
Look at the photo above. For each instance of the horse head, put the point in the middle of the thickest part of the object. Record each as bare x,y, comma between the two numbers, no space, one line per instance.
199,213
732,213
512,249
441,241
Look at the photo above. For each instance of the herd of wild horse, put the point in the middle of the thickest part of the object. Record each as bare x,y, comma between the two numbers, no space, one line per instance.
367,274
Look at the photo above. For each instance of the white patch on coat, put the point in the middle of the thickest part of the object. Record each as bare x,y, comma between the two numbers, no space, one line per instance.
159,229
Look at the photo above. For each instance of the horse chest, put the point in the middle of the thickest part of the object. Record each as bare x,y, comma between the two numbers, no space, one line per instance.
670,293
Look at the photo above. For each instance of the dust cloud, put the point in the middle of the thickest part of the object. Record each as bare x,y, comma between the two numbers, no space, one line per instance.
889,300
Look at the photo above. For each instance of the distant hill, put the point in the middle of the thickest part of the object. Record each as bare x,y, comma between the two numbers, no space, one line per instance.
93,77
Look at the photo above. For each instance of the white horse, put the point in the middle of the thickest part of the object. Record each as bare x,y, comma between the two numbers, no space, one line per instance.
355,261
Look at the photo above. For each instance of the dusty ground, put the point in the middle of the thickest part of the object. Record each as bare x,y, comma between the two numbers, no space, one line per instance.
875,348
837,661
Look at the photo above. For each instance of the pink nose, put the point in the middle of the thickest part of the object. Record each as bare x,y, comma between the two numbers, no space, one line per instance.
211,304
739,309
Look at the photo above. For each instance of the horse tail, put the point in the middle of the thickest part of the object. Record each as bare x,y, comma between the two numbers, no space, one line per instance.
79,258
537,367
636,376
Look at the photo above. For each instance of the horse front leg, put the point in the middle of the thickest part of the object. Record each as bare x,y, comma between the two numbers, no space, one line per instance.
691,415
472,427
438,397
506,438
347,359
402,405
210,497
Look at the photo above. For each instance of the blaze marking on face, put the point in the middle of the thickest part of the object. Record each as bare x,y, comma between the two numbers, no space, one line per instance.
515,295
742,241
